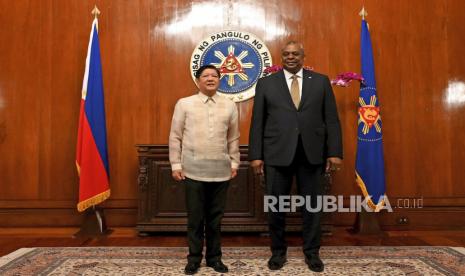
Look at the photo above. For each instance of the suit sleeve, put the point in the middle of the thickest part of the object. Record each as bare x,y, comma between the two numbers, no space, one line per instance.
257,124
333,126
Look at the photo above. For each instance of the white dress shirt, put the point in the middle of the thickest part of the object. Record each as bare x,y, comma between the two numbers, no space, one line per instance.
288,75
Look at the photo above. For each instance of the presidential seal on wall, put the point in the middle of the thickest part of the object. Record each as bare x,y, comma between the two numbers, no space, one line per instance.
241,58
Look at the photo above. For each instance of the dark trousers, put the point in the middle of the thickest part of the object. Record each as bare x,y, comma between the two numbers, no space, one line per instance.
309,179
205,203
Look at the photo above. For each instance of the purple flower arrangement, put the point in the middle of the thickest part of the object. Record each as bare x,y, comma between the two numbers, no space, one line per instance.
345,79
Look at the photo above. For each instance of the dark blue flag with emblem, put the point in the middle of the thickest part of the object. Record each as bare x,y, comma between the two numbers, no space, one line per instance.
369,164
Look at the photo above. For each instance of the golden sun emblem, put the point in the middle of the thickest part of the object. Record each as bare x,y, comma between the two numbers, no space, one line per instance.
369,115
232,65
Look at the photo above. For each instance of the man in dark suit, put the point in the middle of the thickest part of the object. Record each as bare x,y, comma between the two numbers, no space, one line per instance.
295,131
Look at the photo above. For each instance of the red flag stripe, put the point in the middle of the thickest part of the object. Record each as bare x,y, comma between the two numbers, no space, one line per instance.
91,168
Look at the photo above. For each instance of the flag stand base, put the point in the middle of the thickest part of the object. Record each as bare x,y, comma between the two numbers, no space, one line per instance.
366,223
93,225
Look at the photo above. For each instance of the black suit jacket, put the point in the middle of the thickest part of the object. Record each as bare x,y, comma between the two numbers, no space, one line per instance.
276,123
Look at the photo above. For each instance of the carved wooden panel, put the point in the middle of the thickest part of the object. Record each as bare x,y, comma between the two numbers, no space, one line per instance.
162,200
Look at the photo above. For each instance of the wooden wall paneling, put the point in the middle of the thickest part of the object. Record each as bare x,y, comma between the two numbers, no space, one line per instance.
391,74
21,57
440,118
455,73
146,47
126,63
64,73
343,57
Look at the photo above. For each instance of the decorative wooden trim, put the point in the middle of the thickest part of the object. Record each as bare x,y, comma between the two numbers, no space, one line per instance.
63,204
132,203
428,218
62,217
142,179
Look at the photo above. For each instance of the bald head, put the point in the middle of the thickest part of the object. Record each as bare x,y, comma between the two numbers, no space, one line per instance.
293,42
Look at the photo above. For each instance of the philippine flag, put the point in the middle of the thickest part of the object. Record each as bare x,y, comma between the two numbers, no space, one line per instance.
91,152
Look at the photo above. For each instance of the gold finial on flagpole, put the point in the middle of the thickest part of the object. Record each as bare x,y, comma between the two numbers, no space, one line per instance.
363,13
95,11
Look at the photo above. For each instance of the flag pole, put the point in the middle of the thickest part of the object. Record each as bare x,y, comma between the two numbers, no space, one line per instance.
366,223
93,224
362,13
95,12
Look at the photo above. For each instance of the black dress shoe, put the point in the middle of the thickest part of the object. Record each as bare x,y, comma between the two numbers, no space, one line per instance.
276,263
314,263
191,268
218,266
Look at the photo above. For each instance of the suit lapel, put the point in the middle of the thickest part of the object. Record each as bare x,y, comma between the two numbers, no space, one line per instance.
284,90
306,86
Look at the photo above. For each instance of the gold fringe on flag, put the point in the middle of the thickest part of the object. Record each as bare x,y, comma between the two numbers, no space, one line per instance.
371,204
83,205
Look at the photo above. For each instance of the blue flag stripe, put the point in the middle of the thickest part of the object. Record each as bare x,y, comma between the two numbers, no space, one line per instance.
95,103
